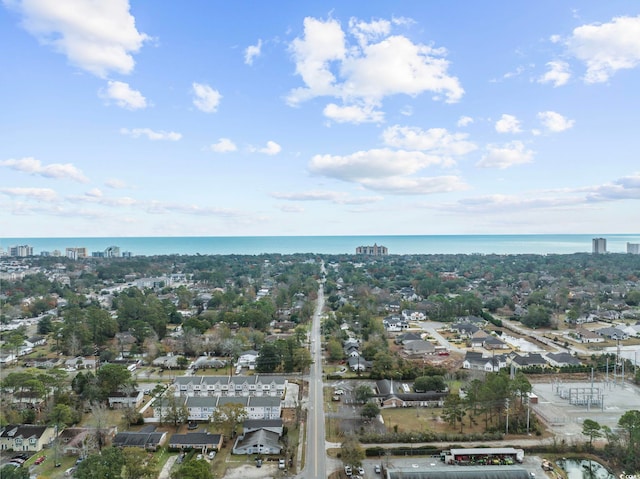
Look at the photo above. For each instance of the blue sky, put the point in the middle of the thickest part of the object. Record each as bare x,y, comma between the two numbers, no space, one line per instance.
167,118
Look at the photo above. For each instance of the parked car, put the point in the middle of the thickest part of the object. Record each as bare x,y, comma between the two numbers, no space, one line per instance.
212,454
361,471
258,462
40,460
281,464
348,471
377,469
199,457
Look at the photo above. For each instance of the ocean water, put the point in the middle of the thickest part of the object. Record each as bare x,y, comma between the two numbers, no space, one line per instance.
410,244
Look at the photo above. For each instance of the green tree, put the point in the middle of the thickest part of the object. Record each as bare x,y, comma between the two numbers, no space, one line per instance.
269,358
370,410
429,383
351,452
138,464
454,410
592,430
193,469
10,472
362,393
228,416
111,377
174,410
334,349
105,465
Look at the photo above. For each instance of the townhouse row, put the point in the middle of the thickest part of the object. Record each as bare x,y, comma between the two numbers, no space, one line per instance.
202,408
236,386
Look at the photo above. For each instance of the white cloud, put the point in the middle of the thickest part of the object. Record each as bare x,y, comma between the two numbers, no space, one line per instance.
508,124
627,187
272,148
151,134
224,145
435,140
95,192
124,95
291,208
99,37
115,184
353,114
366,32
558,74
363,73
331,196
606,48
376,163
464,121
54,170
509,155
251,52
38,194
206,98
416,186
555,122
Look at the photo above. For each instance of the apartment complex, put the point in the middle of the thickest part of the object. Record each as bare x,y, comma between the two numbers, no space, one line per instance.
633,248
599,245
374,250
21,251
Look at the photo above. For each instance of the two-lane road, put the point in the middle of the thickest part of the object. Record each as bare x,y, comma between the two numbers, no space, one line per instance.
315,465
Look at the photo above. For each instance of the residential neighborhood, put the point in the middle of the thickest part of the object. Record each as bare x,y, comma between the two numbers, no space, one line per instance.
212,358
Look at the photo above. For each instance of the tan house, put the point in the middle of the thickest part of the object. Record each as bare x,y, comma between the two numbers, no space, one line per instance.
26,437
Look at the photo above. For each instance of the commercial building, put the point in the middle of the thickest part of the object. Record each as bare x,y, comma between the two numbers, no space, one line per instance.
599,245
374,250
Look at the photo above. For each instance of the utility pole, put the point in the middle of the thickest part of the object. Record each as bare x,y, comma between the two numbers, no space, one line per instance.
507,422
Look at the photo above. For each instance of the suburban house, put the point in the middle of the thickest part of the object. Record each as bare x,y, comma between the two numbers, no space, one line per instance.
358,364
562,359
201,441
493,342
119,399
412,315
147,438
465,330
26,437
7,358
587,336
418,348
248,359
42,363
273,425
402,338
612,333
529,360
80,363
476,361
478,338
394,324
261,441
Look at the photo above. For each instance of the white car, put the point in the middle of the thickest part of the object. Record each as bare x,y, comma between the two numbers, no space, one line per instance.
212,454
377,469
347,470
361,471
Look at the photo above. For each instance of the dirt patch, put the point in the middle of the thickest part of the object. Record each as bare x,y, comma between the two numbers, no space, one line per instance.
246,471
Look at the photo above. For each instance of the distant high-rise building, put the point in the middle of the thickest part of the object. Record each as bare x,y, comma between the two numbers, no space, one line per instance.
76,253
633,248
21,251
599,245
374,250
